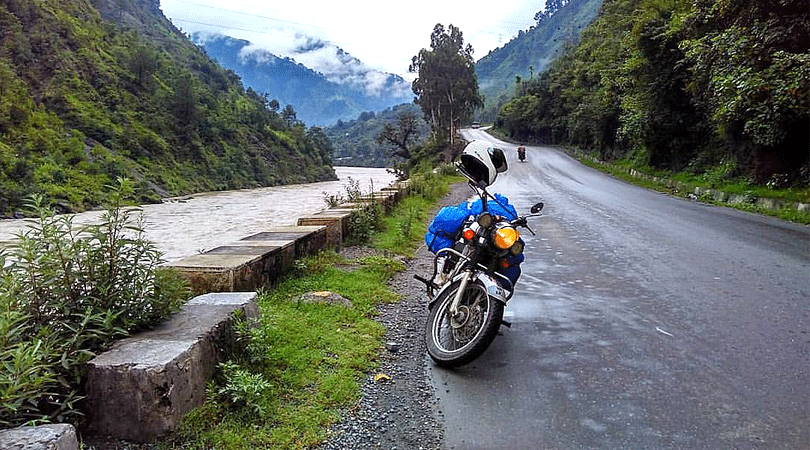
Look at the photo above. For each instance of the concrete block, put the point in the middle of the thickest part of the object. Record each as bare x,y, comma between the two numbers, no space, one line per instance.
395,191
142,387
44,437
308,239
259,260
336,222
218,272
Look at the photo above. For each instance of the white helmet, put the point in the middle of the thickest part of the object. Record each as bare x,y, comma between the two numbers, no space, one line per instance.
482,162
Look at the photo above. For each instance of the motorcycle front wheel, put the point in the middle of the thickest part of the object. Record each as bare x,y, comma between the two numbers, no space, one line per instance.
455,340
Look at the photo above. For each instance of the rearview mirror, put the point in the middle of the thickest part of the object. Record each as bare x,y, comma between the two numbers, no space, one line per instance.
537,208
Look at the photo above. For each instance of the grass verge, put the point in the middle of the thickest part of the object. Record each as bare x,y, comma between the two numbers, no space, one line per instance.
712,187
303,363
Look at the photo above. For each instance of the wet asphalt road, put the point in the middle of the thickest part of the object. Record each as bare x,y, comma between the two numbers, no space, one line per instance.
641,321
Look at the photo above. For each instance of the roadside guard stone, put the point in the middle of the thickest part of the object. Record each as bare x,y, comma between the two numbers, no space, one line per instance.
43,437
142,387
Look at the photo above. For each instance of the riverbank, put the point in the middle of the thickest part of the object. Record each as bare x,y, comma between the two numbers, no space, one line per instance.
186,226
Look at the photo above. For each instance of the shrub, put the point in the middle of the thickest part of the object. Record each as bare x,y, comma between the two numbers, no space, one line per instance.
66,294
363,222
426,184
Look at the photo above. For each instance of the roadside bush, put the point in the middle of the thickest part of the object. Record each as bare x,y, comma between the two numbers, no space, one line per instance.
363,222
426,185
66,293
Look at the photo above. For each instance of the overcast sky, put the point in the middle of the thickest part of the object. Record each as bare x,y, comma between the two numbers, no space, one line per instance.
383,35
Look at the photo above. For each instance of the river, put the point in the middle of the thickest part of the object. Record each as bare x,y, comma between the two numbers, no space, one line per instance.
187,225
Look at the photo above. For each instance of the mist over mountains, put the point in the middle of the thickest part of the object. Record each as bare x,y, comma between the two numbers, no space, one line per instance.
323,83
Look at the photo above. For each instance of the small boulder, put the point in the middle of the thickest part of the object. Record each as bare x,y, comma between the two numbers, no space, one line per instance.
43,437
325,297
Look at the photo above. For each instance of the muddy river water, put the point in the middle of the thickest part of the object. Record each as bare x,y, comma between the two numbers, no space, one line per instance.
185,226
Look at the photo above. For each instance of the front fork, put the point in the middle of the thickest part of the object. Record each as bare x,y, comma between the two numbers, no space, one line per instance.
465,278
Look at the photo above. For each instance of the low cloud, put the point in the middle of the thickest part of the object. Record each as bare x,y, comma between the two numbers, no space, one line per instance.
334,64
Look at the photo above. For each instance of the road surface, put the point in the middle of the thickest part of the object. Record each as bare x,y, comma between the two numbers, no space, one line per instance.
641,321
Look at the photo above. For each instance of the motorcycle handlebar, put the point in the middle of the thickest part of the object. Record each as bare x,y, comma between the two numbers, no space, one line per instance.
523,222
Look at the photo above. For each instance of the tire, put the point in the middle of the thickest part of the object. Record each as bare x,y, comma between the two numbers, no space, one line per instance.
453,343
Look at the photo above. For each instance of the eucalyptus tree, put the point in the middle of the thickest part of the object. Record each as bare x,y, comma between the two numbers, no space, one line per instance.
446,86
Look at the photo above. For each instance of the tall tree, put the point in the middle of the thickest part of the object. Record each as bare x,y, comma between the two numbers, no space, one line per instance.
446,86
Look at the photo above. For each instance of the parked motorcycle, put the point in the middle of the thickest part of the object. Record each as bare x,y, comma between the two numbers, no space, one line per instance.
478,254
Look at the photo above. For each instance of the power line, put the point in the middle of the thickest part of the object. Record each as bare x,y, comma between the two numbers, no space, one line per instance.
510,23
252,15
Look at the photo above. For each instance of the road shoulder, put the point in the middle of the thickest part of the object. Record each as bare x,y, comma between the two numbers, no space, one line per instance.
398,408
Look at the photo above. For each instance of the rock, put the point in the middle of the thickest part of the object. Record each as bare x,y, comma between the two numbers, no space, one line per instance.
392,346
325,297
43,437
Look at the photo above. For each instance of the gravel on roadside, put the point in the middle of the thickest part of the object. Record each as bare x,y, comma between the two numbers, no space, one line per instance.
398,409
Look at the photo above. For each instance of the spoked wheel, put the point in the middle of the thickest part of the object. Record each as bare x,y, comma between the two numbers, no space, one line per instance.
456,339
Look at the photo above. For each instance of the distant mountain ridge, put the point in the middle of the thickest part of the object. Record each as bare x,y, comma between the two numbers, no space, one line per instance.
531,52
318,98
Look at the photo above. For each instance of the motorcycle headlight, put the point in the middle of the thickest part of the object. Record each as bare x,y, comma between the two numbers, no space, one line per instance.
506,237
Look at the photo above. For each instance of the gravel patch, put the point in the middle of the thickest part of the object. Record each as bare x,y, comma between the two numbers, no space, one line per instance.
398,408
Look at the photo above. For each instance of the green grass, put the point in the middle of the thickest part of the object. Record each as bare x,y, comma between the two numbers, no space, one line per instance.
404,228
303,364
311,357
684,183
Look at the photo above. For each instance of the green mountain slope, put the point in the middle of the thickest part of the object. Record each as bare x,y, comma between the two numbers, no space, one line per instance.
85,100
713,88
317,98
530,53
355,141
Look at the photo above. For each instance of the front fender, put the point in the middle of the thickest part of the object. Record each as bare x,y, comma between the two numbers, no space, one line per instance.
492,287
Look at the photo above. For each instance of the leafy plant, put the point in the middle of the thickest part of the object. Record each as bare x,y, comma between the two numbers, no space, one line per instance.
242,388
363,222
67,292
332,200
353,191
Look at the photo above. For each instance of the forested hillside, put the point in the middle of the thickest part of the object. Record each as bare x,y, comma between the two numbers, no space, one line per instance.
356,141
84,100
531,52
682,85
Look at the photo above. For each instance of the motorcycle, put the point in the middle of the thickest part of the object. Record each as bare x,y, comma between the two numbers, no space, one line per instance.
521,151
475,276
